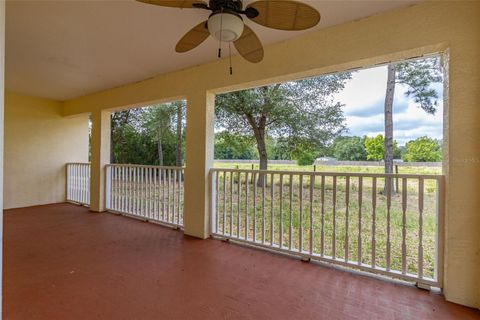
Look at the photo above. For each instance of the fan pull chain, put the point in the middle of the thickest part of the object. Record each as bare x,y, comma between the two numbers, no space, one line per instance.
230,56
220,41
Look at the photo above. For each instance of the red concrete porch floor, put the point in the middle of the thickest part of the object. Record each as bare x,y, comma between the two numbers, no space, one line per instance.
62,262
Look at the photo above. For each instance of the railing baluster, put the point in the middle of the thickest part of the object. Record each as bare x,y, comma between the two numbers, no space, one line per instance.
147,192
322,233
290,196
239,192
179,196
126,189
75,183
247,187
163,181
280,240
334,211
347,204
155,194
110,200
130,190
404,225
69,178
420,226
217,201
151,195
88,184
137,191
374,218
84,183
224,225
134,190
388,188
312,188
272,204
264,179
80,170
142,192
254,183
231,203
117,187
183,195
169,195
360,202
121,185
174,194
300,196
82,188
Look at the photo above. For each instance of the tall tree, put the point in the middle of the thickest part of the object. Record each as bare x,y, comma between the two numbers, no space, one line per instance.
121,123
301,112
178,145
418,76
388,141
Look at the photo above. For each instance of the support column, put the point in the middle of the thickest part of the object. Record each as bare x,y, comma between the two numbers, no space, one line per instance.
199,161
100,158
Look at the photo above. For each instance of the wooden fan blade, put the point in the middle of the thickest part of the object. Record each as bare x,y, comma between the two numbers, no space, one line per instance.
184,4
193,38
249,46
285,14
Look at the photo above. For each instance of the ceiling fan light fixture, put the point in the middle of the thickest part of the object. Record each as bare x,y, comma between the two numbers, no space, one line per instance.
225,27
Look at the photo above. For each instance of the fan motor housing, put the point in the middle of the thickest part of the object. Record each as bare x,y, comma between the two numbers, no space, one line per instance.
226,5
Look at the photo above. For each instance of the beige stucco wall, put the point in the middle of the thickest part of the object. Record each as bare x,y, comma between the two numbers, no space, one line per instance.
2,85
38,143
429,27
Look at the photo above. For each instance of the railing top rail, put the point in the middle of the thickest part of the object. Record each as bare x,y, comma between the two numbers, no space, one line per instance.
144,166
73,163
336,174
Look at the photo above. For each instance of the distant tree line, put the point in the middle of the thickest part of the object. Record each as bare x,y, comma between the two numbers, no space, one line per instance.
344,148
422,149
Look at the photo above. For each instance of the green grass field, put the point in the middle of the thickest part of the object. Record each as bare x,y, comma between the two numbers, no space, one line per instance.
335,212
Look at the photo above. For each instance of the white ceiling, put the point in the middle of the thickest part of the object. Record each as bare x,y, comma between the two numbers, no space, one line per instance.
65,49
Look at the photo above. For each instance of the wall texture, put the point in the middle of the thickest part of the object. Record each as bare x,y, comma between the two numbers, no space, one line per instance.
429,27
38,143
2,91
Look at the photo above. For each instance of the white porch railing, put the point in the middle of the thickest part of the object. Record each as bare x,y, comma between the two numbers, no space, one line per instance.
148,192
78,183
349,219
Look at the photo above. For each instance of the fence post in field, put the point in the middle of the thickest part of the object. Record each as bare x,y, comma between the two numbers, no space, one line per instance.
396,179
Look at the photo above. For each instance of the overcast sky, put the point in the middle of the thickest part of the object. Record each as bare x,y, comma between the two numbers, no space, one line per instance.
364,97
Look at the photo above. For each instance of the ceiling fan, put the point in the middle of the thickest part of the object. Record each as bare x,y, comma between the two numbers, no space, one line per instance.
226,24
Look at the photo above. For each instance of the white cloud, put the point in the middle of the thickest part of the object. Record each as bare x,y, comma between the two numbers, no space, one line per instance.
364,97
